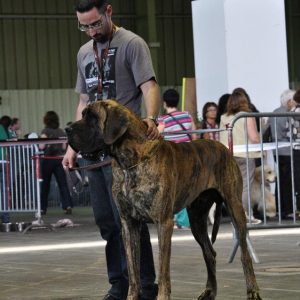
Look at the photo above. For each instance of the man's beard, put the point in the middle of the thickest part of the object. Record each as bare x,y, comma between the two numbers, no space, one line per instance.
100,38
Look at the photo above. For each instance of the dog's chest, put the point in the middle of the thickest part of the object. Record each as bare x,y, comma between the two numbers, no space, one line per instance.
134,194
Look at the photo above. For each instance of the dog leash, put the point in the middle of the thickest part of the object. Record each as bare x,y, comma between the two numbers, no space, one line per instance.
103,163
77,170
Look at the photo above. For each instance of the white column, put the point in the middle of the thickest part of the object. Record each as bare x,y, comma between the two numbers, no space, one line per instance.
240,44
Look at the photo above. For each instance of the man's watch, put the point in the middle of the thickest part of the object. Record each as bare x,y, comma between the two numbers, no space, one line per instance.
153,119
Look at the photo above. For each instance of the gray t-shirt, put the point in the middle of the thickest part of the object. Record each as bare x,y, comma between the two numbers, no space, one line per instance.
127,65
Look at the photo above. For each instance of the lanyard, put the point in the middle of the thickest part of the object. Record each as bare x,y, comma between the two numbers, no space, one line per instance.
101,61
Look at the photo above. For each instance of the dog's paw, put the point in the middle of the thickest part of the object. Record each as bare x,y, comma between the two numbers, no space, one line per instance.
254,295
207,295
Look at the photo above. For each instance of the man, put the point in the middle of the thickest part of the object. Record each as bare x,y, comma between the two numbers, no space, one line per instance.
115,64
295,132
284,156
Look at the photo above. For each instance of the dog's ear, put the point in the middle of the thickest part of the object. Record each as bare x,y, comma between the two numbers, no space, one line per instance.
116,124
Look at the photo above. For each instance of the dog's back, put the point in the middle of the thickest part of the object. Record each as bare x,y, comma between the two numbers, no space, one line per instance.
197,166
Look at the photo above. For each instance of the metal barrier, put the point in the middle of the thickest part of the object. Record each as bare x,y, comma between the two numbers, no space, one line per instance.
19,188
262,148
20,176
268,223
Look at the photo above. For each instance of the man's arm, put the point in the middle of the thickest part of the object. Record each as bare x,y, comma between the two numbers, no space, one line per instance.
83,100
151,95
70,155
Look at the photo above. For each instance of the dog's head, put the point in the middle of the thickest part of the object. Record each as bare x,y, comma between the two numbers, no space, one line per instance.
269,174
102,123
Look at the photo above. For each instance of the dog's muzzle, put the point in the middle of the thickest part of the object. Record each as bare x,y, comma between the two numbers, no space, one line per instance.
100,150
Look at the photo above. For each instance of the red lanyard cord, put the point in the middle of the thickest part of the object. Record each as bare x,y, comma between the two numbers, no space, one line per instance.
101,62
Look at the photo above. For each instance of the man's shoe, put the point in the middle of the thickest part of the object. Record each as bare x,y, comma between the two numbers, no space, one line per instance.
109,297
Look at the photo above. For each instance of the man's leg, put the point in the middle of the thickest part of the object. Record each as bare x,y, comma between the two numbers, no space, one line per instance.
107,219
297,177
285,182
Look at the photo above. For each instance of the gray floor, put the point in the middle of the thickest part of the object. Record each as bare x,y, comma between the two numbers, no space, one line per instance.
78,271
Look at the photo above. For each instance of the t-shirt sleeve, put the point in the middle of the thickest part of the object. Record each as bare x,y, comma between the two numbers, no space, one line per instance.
80,87
139,59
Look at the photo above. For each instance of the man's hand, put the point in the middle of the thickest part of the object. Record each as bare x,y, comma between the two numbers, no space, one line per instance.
152,133
69,158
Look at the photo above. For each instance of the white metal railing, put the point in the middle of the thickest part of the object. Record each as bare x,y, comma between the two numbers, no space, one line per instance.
20,176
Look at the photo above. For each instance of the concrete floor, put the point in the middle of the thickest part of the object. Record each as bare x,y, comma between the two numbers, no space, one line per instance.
74,267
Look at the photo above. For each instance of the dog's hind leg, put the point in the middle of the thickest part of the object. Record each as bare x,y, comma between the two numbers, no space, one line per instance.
236,211
131,237
198,213
165,230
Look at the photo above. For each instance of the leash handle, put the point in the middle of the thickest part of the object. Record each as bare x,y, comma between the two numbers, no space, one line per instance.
71,182
77,170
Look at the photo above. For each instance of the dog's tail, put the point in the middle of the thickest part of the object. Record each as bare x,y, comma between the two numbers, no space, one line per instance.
216,226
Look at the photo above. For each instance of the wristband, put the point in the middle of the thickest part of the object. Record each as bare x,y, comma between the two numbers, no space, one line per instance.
153,119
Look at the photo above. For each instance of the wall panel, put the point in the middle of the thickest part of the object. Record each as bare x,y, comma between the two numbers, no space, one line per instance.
41,40
31,105
39,45
32,54
176,56
21,52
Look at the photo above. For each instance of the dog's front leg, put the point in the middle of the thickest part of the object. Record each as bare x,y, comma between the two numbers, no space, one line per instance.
165,230
131,237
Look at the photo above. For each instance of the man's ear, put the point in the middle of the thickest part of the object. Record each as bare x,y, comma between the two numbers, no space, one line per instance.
115,126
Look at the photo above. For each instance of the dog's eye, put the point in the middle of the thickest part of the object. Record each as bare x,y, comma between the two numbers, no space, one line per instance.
90,115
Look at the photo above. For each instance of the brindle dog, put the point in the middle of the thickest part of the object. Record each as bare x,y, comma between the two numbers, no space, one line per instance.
152,180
